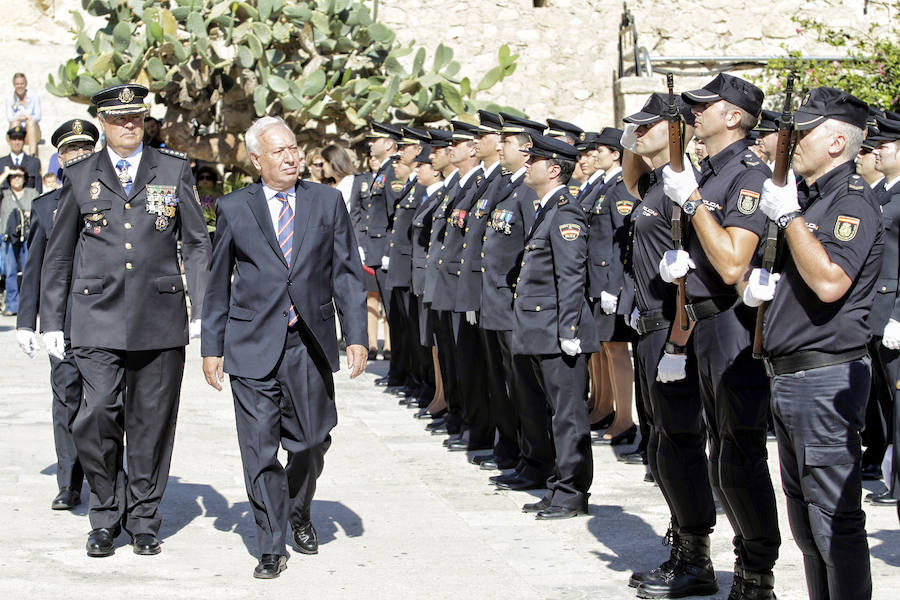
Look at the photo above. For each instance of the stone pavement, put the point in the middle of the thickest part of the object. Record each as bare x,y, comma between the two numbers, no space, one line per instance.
398,516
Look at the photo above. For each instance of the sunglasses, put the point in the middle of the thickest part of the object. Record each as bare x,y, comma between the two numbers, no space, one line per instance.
318,164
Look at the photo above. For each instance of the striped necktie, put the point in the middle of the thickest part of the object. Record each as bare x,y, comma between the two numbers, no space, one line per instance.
286,239
124,175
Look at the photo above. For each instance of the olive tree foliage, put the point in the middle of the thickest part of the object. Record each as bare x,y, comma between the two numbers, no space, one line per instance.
216,65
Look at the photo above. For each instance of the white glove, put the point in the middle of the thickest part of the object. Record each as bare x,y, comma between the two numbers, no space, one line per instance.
679,186
760,287
470,317
675,264
27,342
572,347
777,201
629,139
385,262
632,320
194,328
891,339
56,344
672,367
362,254
608,303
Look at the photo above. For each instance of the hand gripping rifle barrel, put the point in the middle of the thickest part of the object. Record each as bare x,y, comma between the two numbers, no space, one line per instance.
676,162
779,177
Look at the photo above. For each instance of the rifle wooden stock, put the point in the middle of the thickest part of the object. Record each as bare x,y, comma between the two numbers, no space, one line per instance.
676,162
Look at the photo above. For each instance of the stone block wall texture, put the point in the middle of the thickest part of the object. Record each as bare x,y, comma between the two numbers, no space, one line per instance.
567,49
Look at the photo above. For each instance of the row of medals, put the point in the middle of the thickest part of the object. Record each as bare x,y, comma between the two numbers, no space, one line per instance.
161,201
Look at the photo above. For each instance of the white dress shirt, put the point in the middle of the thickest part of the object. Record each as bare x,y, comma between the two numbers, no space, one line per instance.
274,204
134,160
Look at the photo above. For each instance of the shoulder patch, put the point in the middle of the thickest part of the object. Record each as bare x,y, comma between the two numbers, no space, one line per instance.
75,161
856,183
625,206
174,153
750,159
562,201
748,202
574,189
845,228
570,231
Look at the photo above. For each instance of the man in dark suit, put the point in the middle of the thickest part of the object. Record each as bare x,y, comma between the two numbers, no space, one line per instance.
125,209
291,250
72,140
554,324
15,137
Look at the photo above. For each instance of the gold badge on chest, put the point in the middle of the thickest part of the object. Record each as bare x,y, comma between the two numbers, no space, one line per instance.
95,190
162,202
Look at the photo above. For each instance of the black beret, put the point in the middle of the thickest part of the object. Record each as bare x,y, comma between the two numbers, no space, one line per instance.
823,103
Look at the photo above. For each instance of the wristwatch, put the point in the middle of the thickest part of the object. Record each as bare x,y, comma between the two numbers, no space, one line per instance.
673,348
784,220
689,207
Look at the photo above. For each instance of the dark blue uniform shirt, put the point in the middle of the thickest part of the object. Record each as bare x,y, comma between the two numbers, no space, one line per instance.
652,236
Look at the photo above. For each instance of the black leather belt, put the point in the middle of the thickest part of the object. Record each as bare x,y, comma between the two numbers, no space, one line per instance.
708,308
809,359
652,320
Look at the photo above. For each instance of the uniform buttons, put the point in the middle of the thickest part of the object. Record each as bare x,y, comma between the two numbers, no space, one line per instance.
127,225
518,279
602,263
462,261
467,230
522,264
440,261
538,308
884,288
128,245
515,295
86,291
173,288
290,282
427,256
128,266
284,314
482,255
458,273
443,246
484,238
572,328
482,269
392,244
127,205
464,244
94,209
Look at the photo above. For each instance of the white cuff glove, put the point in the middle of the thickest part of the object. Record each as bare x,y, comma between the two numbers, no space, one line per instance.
891,339
760,287
572,347
27,342
675,264
471,319
56,344
777,201
608,303
672,367
362,254
632,320
679,186
385,262
629,139
194,328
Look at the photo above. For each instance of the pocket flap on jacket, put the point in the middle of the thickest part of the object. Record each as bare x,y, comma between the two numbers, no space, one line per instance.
537,303
826,456
886,285
86,287
327,310
169,284
239,313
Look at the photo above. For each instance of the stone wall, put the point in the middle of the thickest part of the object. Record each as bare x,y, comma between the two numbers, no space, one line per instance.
567,49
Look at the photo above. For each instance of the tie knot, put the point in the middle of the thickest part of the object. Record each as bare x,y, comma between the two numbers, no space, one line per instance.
282,196
122,164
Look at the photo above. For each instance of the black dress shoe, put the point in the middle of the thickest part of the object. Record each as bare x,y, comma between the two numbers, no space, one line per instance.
436,423
453,439
66,499
457,445
101,542
386,355
495,479
270,566
381,381
634,458
552,513
146,544
373,354
440,428
305,539
871,472
626,437
648,477
520,484
605,422
536,507
499,464
881,498
480,458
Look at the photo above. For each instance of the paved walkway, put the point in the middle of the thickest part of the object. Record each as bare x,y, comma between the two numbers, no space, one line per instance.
398,517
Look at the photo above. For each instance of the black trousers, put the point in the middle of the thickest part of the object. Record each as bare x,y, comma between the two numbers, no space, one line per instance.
498,370
641,402
735,393
472,385
135,395
65,382
445,323
270,412
818,415
880,409
402,341
397,370
421,364
563,378
676,447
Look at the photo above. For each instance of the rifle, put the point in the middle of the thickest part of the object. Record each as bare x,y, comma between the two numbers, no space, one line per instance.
676,162
774,236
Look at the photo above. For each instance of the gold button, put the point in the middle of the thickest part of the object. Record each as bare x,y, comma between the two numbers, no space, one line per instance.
462,261
467,229
572,328
523,263
127,225
518,279
538,308
443,246
482,255
127,205
173,288
464,244
86,291
602,263
484,238
427,256
884,288
128,266
458,273
515,295
441,261
482,269
392,244
128,245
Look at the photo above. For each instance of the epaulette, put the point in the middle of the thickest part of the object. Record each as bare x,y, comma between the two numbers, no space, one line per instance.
619,178
750,159
562,200
75,161
174,153
856,184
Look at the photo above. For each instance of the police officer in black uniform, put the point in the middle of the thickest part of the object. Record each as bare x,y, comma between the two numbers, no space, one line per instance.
554,325
676,448
726,228
815,334
125,208
73,139
571,134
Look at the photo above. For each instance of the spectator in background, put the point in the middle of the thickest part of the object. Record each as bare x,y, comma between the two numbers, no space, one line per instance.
15,212
314,163
151,132
15,137
209,191
24,109
51,182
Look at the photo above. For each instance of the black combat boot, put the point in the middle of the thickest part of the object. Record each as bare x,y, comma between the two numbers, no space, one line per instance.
639,577
737,585
691,575
757,586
